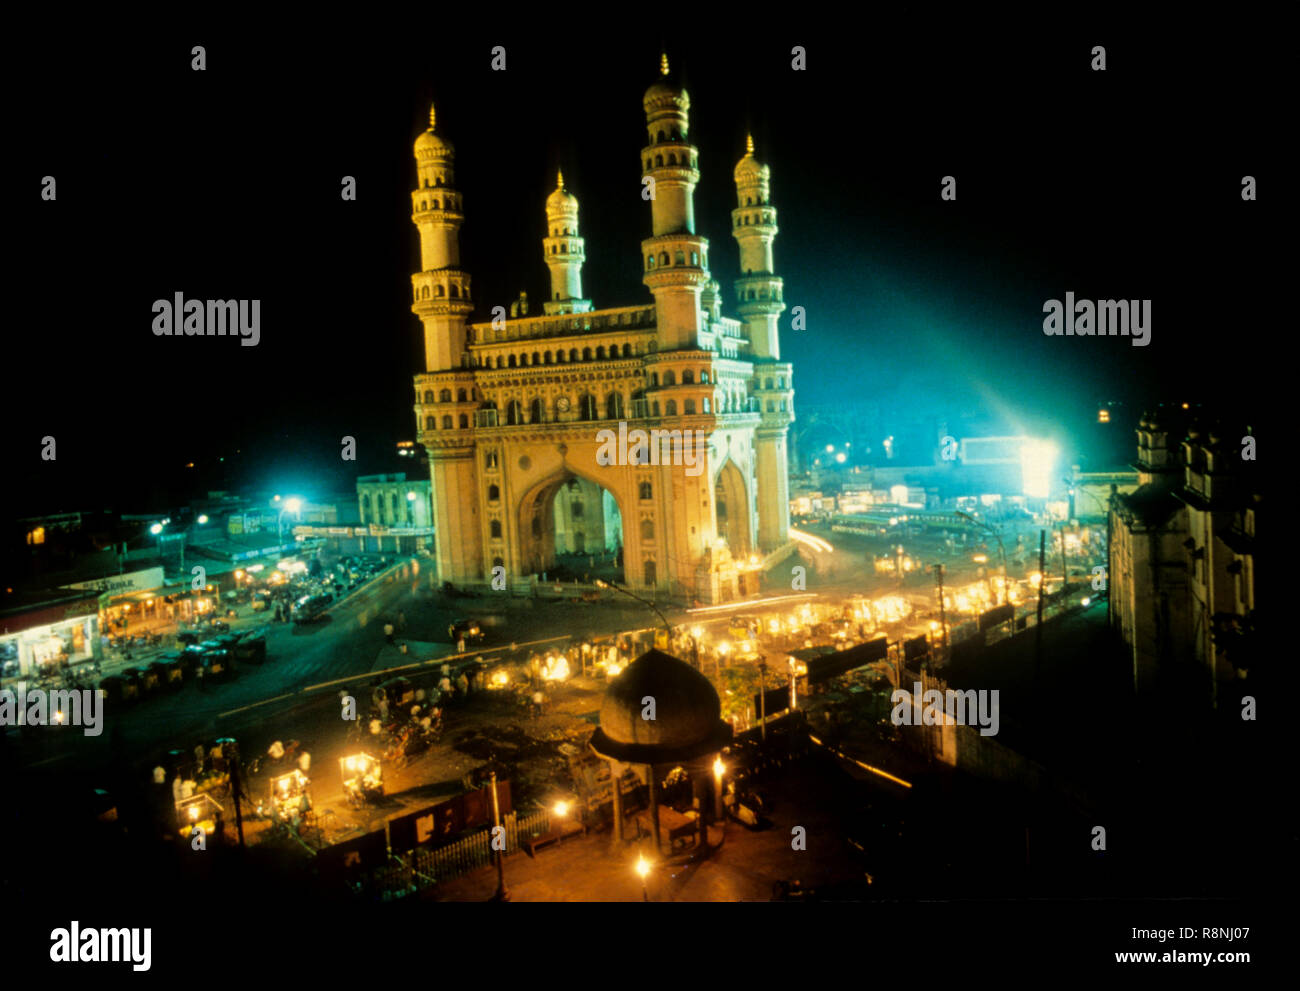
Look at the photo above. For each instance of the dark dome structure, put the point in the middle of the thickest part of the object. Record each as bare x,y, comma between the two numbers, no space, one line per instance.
687,721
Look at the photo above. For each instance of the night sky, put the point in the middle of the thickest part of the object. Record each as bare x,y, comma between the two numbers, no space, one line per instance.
225,184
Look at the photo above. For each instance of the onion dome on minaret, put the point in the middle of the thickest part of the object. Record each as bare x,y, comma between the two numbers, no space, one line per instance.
665,93
564,251
561,202
749,170
431,145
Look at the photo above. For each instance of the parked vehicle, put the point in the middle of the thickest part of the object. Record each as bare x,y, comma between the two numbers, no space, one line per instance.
399,692
251,651
147,678
171,676
310,608
467,630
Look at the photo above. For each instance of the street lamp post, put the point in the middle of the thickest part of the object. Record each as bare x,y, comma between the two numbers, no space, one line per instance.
502,893
601,583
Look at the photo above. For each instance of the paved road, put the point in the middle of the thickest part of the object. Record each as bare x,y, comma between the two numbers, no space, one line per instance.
345,644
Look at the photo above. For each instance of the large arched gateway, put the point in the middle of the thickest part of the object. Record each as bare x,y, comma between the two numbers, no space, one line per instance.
525,475
565,520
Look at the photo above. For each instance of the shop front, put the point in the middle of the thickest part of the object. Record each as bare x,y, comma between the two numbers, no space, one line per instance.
36,644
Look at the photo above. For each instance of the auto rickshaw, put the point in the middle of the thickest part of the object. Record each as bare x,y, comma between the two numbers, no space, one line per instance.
398,691
251,651
217,666
171,676
148,680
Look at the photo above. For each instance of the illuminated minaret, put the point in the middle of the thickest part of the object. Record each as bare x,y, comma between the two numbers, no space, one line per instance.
753,225
675,259
445,393
565,252
759,303
442,297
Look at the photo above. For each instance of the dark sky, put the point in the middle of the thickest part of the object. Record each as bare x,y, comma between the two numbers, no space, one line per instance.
225,184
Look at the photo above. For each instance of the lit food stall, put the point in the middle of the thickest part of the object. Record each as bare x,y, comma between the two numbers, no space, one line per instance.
200,810
363,777
289,796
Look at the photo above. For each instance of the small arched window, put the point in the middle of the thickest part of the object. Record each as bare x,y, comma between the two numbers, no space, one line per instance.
704,378
535,411
688,407
444,396
647,529
494,493
573,354
455,291
464,421
586,354
430,423
587,407
706,404
495,528
659,160
428,395
688,377
671,408
514,413
600,353
627,350
446,422
670,378
663,258
647,492
650,261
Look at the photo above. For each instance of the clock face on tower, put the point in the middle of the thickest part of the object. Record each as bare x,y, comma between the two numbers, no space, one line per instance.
562,404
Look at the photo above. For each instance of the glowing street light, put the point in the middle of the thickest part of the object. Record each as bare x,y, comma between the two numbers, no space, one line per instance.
203,518
643,869
156,529
719,769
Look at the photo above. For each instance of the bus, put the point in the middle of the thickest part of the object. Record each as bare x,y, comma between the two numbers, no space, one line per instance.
310,608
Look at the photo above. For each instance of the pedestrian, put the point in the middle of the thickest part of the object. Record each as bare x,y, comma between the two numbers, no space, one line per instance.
539,701
462,684
199,754
388,632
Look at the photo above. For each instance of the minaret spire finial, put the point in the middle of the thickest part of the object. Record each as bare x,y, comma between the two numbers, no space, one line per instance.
749,144
559,178
663,63
433,117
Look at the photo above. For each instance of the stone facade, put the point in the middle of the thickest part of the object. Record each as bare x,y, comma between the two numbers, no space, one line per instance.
514,410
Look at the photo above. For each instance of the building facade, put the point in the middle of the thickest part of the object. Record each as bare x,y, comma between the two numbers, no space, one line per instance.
392,501
1182,566
514,410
